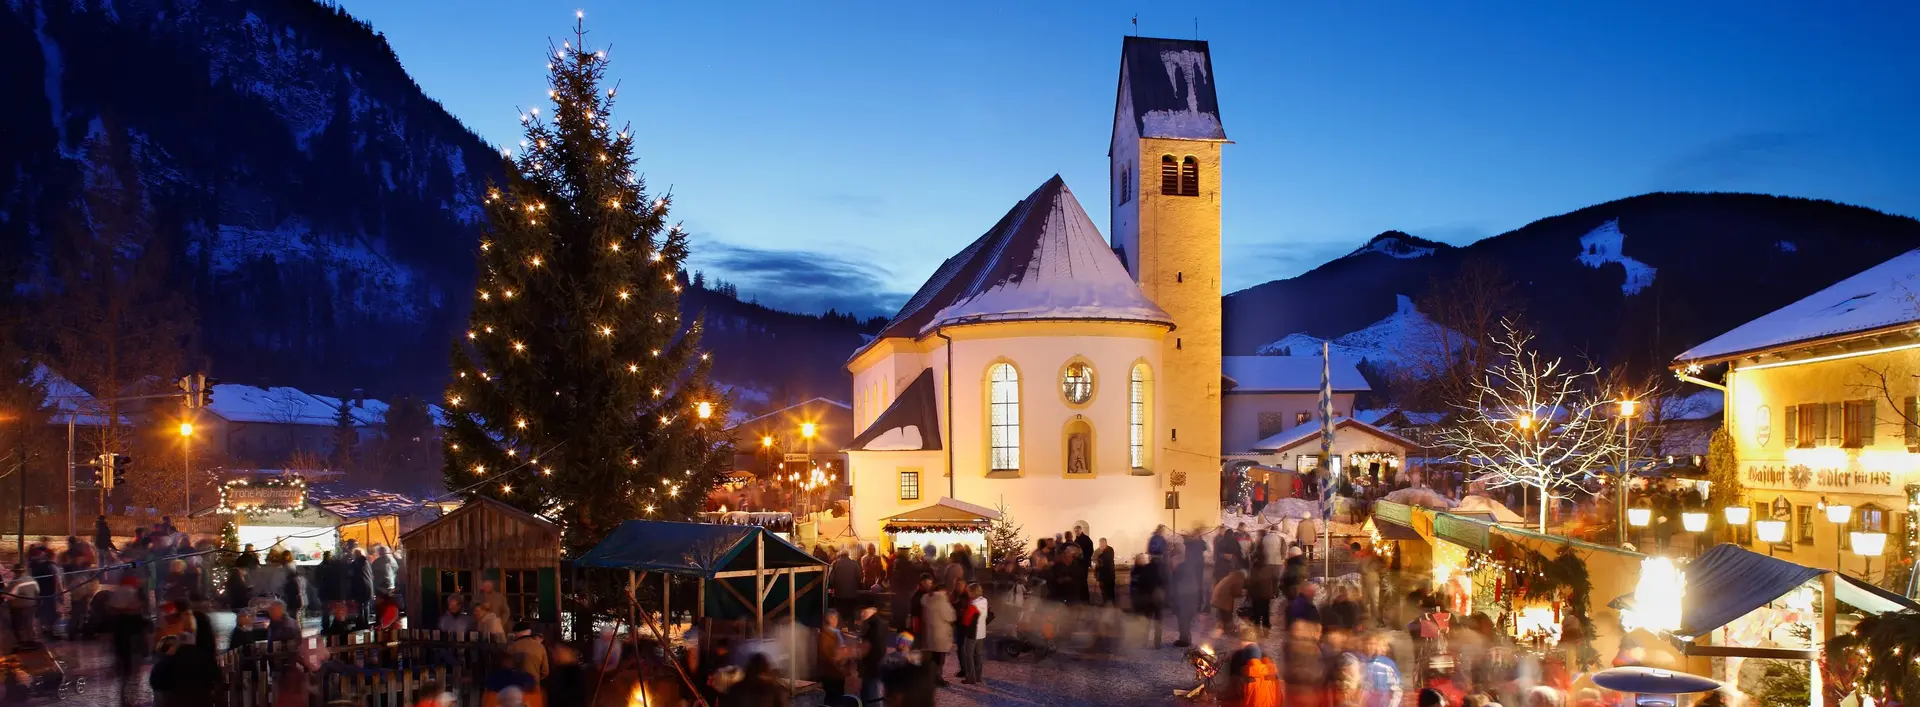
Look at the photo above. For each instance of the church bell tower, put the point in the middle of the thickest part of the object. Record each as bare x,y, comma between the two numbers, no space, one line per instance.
1166,190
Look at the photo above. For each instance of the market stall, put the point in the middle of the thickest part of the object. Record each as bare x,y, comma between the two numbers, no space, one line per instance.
485,540
274,514
943,525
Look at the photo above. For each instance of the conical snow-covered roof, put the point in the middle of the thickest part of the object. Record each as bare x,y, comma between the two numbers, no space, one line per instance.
1044,261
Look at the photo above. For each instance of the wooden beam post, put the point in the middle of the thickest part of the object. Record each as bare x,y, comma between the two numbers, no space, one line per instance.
1829,609
760,584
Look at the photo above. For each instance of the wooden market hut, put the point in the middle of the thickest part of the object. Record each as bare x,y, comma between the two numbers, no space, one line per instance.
484,540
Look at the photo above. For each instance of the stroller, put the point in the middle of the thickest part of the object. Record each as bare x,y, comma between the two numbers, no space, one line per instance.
35,671
1035,627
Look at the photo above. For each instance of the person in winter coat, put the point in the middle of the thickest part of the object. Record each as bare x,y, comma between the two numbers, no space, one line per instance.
910,681
973,633
1226,598
843,580
1183,593
360,584
330,580
237,593
102,536
386,570
1263,585
878,637
1148,592
569,682
1103,572
182,675
936,613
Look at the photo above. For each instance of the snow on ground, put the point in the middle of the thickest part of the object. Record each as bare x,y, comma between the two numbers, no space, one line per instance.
1393,340
1603,245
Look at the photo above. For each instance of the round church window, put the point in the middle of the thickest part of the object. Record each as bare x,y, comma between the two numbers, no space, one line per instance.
1077,383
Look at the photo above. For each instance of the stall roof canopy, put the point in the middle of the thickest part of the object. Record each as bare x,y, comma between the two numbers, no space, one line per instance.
702,549
946,510
1728,581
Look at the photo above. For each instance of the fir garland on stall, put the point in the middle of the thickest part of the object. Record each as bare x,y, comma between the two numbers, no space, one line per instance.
1877,656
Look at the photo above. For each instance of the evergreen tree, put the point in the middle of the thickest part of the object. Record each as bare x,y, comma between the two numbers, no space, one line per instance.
345,438
578,393
1005,538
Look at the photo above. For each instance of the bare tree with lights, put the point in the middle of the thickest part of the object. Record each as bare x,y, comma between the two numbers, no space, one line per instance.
578,392
1533,422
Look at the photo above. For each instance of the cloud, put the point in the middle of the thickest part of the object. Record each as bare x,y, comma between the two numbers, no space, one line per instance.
864,205
1731,161
801,280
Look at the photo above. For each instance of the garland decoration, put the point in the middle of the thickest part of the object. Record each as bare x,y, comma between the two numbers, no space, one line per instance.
286,495
960,528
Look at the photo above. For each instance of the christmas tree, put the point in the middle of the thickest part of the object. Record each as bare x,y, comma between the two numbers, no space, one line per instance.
578,394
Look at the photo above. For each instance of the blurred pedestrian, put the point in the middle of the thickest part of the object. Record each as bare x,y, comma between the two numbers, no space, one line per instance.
973,633
938,617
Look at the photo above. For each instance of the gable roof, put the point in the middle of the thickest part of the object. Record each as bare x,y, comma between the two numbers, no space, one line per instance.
945,510
700,549
1881,297
1044,260
911,423
68,402
1289,374
1171,83
1304,433
474,503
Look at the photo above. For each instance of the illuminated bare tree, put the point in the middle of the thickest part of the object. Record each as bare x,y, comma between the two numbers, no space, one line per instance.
1528,421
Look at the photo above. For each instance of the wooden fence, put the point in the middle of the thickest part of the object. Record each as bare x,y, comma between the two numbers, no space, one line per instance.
374,668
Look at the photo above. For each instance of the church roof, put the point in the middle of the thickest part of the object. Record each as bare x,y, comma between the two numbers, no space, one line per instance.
1171,82
910,424
1044,260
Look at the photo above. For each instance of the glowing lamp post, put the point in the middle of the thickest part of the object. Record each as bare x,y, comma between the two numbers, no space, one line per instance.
1694,522
1620,482
1657,597
1869,546
1770,532
1639,517
1839,515
186,463
1738,515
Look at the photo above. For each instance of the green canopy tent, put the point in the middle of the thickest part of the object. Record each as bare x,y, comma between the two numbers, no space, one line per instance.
737,561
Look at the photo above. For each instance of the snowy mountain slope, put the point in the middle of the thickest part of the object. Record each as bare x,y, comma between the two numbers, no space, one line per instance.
1603,245
1388,342
1720,260
308,192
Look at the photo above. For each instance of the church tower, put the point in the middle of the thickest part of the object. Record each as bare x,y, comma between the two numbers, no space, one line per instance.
1165,163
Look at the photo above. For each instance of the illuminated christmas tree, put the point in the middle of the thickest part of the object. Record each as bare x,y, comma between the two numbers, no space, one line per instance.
578,393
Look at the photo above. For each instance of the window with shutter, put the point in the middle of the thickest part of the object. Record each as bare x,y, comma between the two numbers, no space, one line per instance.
1792,427
1169,176
1190,177
1836,428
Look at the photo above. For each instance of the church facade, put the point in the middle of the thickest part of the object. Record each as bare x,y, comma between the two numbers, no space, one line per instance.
1070,379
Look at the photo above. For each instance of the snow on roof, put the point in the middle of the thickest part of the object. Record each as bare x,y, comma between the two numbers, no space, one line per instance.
1044,260
1308,432
1288,374
1170,82
287,406
1372,417
1880,297
68,402
354,503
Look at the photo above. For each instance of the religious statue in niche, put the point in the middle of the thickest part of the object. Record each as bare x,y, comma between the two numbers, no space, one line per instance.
1077,462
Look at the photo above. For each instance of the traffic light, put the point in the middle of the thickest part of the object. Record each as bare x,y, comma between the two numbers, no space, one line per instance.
198,389
113,469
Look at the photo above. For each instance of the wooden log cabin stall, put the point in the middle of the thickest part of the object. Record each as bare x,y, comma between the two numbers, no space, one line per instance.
485,540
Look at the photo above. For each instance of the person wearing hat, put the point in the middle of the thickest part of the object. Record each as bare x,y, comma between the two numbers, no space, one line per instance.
532,650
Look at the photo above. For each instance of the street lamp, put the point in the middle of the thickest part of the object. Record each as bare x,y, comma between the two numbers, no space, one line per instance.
1838,514
1738,515
1627,407
1869,545
186,463
1639,517
1770,532
1694,522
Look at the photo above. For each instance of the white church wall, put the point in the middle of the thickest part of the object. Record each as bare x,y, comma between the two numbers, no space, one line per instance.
876,486
1115,503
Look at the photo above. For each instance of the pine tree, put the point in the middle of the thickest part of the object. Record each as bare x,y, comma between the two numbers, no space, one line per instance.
346,437
1005,538
578,393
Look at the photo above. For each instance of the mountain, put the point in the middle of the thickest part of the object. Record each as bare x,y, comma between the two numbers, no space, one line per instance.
314,207
1632,281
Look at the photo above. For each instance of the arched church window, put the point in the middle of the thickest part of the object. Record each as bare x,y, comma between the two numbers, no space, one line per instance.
1076,383
1003,390
1169,176
1190,177
1137,416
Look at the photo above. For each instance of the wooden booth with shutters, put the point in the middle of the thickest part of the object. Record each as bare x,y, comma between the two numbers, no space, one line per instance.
485,540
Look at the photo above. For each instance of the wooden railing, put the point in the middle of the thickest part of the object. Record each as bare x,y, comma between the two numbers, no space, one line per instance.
377,668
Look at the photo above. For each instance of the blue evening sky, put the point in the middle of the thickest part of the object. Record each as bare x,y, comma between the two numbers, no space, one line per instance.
832,154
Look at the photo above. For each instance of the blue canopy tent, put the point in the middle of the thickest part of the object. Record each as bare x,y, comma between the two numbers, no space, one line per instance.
738,561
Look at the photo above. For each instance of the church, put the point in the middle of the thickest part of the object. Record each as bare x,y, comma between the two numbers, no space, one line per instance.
1072,379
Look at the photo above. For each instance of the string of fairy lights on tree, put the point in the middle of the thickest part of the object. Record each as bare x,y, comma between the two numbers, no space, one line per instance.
575,344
